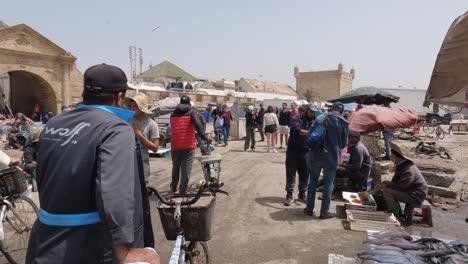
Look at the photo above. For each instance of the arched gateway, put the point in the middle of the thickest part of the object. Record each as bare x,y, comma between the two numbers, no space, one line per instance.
34,70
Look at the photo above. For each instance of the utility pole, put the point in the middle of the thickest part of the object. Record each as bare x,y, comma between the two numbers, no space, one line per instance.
140,53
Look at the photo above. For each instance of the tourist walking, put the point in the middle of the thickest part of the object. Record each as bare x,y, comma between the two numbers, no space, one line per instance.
284,118
227,116
89,182
296,155
270,126
260,115
325,156
250,124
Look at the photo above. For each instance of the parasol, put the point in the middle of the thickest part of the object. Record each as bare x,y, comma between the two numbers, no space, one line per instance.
366,95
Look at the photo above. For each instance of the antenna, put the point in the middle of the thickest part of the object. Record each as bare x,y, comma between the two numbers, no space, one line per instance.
140,53
130,56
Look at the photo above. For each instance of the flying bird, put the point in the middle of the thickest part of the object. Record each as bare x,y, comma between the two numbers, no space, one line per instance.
155,28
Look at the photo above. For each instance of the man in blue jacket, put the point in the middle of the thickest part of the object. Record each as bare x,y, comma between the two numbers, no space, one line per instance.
326,157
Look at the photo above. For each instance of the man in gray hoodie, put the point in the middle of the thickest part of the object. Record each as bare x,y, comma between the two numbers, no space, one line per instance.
326,156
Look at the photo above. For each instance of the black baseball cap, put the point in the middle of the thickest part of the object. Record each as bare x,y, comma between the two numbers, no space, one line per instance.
185,99
104,78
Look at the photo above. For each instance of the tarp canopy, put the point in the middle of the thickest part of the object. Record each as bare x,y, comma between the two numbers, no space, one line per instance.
165,106
449,80
374,118
366,95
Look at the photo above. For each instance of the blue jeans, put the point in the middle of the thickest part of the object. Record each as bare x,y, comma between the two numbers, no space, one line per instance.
328,177
226,130
388,135
218,135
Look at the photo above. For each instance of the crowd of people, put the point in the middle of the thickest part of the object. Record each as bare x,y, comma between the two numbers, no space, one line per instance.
316,142
97,201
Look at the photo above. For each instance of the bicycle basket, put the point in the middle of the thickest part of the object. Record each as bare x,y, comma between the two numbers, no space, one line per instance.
211,167
12,181
196,220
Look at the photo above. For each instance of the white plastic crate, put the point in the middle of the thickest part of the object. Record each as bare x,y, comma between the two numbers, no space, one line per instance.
339,259
365,221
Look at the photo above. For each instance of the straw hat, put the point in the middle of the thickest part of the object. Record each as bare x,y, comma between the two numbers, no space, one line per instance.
404,151
142,101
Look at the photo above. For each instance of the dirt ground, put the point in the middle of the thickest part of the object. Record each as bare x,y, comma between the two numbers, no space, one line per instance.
253,226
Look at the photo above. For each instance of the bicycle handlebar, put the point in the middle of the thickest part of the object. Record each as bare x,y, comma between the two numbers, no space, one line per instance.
212,187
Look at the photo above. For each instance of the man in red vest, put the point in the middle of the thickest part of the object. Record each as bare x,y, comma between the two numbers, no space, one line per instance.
184,121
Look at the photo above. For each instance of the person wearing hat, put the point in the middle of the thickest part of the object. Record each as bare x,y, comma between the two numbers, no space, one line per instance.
296,154
325,157
89,184
250,124
358,169
146,129
184,123
408,185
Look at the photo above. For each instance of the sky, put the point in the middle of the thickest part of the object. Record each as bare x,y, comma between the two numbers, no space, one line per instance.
389,43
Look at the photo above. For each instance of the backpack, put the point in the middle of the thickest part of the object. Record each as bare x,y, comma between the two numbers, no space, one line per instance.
219,122
316,136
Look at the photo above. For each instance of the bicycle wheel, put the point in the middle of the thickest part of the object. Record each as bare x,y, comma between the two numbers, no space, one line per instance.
197,253
440,132
17,227
427,128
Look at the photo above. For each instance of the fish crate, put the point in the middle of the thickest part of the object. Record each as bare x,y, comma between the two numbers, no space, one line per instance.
368,202
339,259
365,221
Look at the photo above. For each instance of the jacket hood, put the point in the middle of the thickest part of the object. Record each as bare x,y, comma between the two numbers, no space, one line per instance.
182,109
336,120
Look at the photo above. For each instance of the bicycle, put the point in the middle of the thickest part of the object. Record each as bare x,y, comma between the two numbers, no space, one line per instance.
428,128
17,215
196,249
440,132
180,220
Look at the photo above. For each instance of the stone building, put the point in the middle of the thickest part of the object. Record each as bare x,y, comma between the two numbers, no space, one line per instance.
324,85
33,70
266,89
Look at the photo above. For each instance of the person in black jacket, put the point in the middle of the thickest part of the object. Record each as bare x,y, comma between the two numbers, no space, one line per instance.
89,183
250,124
259,118
284,120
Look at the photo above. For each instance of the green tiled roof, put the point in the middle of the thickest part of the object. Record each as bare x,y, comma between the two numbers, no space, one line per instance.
3,25
169,70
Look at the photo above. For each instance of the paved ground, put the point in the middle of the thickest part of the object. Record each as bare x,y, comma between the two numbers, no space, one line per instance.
252,225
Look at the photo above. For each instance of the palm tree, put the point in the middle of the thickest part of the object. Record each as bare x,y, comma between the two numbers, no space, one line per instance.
309,94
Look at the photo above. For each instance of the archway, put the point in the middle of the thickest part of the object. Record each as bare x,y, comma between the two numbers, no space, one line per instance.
24,89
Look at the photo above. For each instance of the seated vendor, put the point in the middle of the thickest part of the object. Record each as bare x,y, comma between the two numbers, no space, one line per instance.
358,169
407,186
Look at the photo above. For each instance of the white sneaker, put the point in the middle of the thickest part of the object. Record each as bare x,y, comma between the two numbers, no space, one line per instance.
275,151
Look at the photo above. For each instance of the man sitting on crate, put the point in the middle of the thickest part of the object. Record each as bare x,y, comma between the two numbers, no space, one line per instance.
184,122
358,169
407,186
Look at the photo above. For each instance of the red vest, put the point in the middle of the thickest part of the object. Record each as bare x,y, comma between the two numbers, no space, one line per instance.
183,133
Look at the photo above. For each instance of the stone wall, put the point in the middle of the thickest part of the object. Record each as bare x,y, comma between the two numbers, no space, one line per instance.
326,84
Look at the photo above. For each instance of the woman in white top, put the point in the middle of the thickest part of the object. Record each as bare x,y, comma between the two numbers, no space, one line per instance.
270,126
